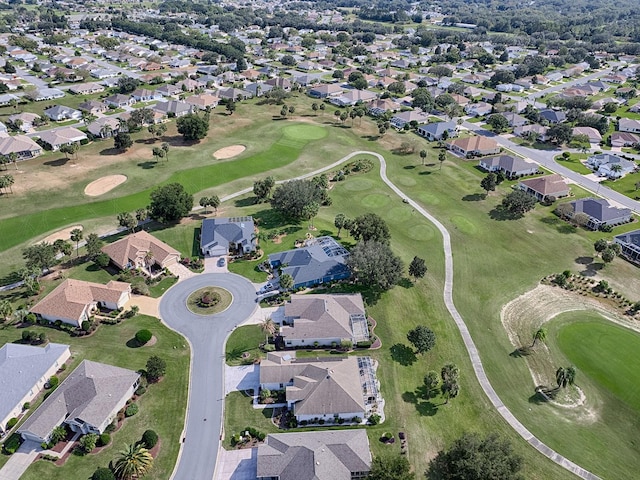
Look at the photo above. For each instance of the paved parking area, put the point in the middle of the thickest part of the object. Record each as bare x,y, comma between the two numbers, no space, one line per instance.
211,265
244,377
237,464
20,461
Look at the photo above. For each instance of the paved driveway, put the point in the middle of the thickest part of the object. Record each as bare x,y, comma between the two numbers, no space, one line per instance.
238,464
207,336
241,378
20,461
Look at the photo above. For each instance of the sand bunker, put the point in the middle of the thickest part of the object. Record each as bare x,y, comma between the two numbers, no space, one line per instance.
104,184
229,152
64,234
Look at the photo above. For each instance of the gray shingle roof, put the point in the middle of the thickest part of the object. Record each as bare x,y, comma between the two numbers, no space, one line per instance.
220,232
330,455
599,209
21,367
89,393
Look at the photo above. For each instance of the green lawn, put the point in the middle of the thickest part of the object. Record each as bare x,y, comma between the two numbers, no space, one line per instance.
574,163
239,413
625,185
157,290
244,339
162,408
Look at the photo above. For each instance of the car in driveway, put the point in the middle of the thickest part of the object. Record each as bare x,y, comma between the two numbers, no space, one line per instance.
222,262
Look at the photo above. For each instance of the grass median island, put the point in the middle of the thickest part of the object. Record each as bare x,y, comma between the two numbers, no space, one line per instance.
161,408
209,300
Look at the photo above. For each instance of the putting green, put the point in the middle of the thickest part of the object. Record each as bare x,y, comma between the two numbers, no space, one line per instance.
463,224
406,180
304,132
357,184
375,200
421,232
605,353
428,198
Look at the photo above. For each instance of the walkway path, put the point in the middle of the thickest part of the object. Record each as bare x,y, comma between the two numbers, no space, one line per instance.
468,341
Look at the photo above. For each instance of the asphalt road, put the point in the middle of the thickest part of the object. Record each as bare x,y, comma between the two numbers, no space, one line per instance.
207,336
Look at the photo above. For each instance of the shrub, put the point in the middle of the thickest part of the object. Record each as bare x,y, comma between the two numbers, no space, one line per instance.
143,336
111,427
141,390
356,420
374,419
12,423
26,406
149,439
103,474
104,440
12,444
321,421
102,260
156,368
88,442
131,410
53,382
86,326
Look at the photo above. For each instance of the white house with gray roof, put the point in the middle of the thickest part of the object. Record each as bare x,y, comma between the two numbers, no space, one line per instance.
630,243
323,319
24,370
221,236
609,165
435,131
511,166
600,212
328,455
87,401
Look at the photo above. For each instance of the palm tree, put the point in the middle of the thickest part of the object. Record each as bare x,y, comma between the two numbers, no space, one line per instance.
147,260
541,335
423,155
13,157
6,310
268,327
106,131
565,376
165,148
76,236
442,156
134,462
617,168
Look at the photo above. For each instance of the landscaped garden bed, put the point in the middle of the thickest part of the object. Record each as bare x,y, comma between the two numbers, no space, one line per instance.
209,300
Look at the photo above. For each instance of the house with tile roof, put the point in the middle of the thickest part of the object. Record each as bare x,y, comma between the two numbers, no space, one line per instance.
87,401
203,101
24,370
325,90
21,145
104,127
73,301
545,187
328,455
399,120
474,146
62,136
323,388
323,319
630,243
600,212
143,251
510,165
223,236
321,260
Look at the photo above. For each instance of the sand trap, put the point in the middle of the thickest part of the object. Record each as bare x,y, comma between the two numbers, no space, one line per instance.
104,184
229,152
61,235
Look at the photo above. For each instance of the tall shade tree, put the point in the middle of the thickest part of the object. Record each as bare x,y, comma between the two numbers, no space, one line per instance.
170,203
391,467
417,267
422,338
94,244
214,201
450,375
134,462
370,227
291,198
192,127
518,202
474,458
374,265
155,369
338,222
423,155
128,221
488,183
6,310
40,257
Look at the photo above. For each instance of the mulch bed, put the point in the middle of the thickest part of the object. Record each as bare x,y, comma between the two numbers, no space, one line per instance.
377,342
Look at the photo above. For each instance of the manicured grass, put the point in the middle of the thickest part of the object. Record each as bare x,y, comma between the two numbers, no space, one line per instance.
225,300
625,185
602,352
245,339
162,407
239,414
574,163
162,286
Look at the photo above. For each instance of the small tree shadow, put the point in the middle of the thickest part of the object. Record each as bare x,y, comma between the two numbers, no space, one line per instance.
148,165
409,167
59,162
425,172
110,151
521,352
405,283
133,343
567,229
592,269
245,202
551,220
424,408
403,355
474,197
502,214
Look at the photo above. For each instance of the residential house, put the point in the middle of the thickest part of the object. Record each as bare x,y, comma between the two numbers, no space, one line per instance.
609,165
279,82
93,107
322,260
553,116
145,95
323,320
141,250
3,128
629,125
24,370
25,120
325,90
104,127
510,165
76,62
600,212
234,94
399,120
203,101
60,113
327,455
479,109
436,131
173,108
169,90
624,139
380,106
86,88
223,236
592,134
87,401
474,146
46,94
630,243
7,98
102,73
545,187
322,388
351,97
514,119
526,130
23,146
189,85
119,100
73,301
62,136
460,100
